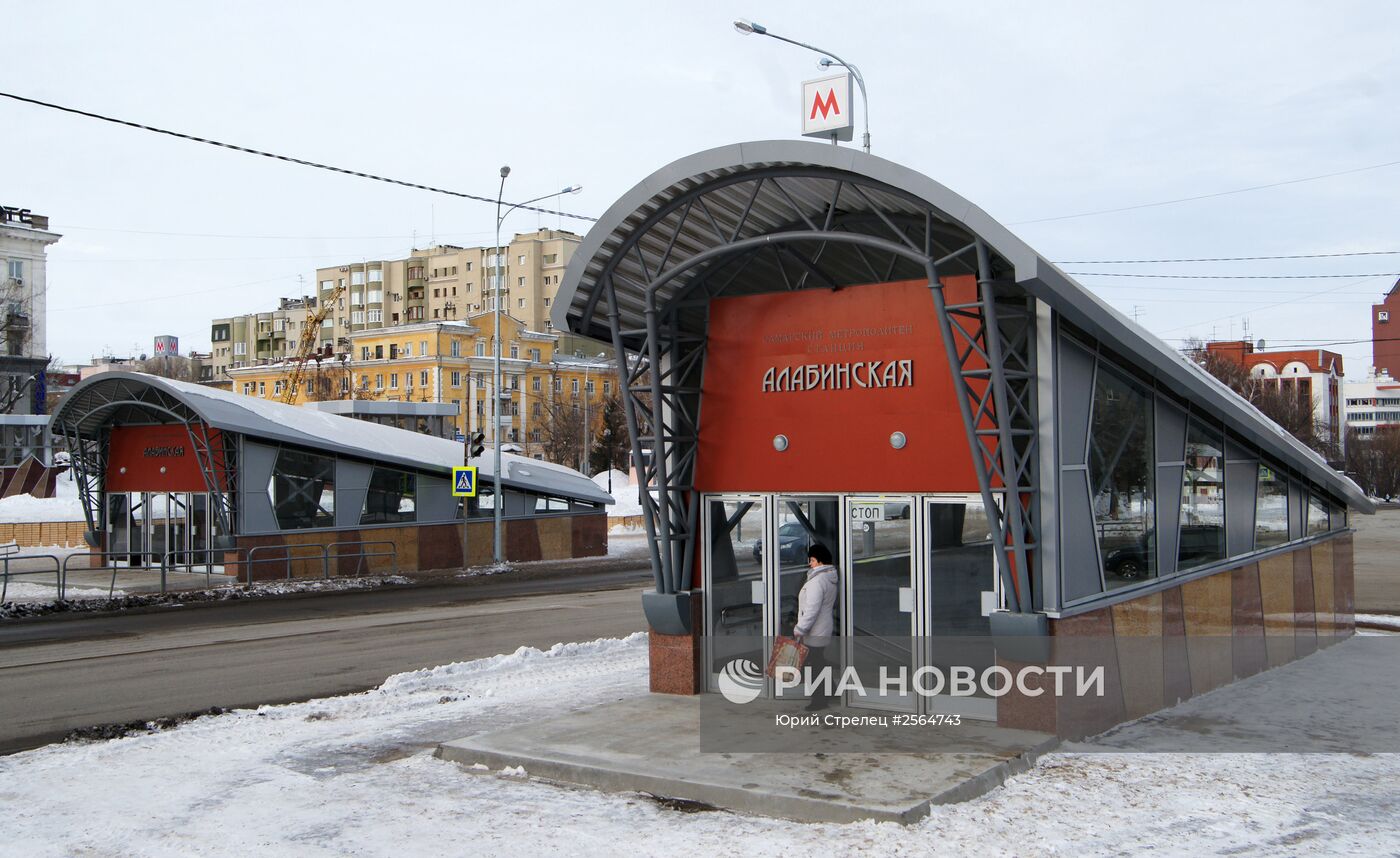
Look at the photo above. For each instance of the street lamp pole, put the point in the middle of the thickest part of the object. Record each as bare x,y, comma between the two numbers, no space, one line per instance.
750,28
498,505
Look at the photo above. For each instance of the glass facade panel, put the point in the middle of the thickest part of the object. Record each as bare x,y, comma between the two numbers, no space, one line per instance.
1202,499
390,497
1121,478
1271,509
302,489
1319,516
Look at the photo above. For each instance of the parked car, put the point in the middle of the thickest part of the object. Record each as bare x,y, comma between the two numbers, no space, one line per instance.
1199,543
793,542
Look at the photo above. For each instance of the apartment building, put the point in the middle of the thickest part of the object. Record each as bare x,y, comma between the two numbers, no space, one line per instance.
256,337
1314,375
543,389
1372,403
438,284
447,283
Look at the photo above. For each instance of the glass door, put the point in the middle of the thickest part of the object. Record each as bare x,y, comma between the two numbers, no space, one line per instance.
879,599
960,592
735,590
799,522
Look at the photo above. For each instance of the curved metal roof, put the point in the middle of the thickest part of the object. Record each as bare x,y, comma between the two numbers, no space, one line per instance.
118,396
680,217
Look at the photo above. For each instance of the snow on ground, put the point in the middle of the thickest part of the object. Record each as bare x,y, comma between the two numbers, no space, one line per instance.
1389,621
63,506
355,775
24,591
624,541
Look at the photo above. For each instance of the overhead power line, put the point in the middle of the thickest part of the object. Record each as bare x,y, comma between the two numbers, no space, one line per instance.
289,159
1226,258
1208,196
1230,276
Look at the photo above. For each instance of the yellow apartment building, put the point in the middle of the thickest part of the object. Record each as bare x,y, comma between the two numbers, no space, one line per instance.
546,396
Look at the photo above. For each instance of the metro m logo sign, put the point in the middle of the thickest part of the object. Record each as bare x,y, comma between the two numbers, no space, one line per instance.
826,107
830,105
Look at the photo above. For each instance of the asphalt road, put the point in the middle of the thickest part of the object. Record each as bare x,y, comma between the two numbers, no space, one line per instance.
57,675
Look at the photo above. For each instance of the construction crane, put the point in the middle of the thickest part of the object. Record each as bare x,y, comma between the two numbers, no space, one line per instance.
306,345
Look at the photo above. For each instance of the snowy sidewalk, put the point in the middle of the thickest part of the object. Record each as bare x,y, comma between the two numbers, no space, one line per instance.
356,775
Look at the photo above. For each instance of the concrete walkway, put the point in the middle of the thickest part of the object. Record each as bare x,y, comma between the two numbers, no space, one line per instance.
652,745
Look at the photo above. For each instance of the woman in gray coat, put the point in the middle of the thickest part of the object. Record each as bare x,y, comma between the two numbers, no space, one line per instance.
816,609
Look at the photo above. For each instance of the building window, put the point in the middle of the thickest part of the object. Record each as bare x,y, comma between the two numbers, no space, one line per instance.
240,348
262,388
393,381
357,278
558,384
589,387
302,489
379,381
375,316
1270,509
408,350
376,275
391,497
480,381
520,281
535,410
480,349
522,259
423,378
535,384
456,348
522,301
514,351
548,301
1203,499
364,352
1319,516
607,388
1120,478
357,317
327,285
423,348
456,379
535,356
573,387
551,258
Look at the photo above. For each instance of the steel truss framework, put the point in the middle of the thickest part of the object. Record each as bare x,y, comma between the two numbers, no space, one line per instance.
755,236
85,420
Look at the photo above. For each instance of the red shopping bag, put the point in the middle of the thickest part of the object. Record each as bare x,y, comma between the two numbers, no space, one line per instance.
787,652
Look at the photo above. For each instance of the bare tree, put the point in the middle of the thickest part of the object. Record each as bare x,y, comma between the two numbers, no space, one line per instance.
562,431
1374,461
1289,406
177,367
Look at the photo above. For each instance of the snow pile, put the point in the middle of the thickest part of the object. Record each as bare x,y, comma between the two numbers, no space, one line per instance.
295,780
26,509
625,499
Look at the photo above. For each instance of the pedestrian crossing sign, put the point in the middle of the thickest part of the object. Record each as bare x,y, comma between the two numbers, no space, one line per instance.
464,482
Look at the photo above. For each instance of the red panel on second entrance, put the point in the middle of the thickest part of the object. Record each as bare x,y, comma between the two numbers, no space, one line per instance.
837,373
153,459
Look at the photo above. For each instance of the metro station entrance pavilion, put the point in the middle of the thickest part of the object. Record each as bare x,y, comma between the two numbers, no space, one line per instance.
819,345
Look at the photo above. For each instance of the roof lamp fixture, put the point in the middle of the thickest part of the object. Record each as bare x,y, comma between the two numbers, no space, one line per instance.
897,440
780,443
744,28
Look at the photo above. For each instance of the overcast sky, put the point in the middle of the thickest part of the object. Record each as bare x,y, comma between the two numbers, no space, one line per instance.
1030,110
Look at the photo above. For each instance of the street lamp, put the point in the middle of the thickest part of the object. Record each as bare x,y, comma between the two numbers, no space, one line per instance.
499,499
745,28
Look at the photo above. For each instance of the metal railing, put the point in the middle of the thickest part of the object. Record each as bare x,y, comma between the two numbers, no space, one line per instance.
7,574
189,561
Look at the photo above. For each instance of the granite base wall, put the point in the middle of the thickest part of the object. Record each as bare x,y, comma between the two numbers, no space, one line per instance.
1187,640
